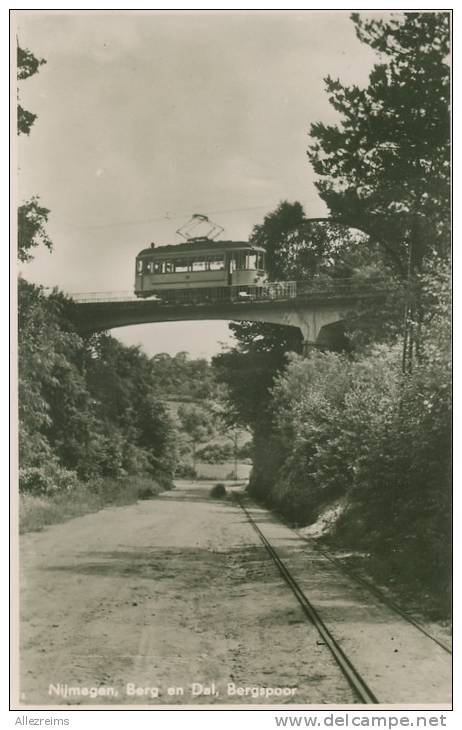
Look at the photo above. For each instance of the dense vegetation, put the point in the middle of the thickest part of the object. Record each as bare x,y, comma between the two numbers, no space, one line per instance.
96,423
366,427
88,407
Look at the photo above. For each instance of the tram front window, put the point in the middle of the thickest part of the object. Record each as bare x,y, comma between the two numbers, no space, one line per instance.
251,261
240,261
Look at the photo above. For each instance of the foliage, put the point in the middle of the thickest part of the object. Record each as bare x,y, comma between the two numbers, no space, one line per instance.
297,248
38,511
218,491
294,249
350,425
179,378
198,423
47,479
318,426
358,427
90,407
27,66
32,219
27,63
248,371
385,167
185,471
215,453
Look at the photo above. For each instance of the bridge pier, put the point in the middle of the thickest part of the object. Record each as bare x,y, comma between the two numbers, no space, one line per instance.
308,347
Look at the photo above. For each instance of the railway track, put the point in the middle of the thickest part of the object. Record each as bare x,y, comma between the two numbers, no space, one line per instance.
354,678
381,596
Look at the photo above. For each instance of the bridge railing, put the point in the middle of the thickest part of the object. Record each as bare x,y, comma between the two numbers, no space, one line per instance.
104,296
341,286
272,291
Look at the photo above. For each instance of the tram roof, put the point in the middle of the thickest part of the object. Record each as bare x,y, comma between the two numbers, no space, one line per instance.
204,245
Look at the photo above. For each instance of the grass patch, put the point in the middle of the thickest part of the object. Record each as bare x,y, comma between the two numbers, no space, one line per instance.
36,512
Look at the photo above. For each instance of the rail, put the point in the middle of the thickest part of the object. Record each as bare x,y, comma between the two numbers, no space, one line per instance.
272,291
354,678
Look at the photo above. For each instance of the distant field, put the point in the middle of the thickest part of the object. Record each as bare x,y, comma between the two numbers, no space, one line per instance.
222,471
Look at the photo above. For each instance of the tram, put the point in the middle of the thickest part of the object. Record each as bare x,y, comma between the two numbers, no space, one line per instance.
199,269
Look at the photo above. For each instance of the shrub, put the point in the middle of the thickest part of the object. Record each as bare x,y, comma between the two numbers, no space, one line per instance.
218,491
358,427
47,479
185,471
215,453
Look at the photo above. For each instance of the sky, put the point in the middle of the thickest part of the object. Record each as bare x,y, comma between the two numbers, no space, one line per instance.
147,118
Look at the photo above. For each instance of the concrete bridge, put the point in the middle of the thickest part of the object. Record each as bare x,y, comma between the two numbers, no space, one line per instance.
317,309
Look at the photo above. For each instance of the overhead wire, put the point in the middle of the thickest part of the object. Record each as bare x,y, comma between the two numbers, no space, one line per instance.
166,217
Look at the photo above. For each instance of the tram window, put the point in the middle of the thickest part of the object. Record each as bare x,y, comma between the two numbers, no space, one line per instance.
199,265
148,267
216,263
139,266
181,266
169,267
158,267
240,261
251,262
260,261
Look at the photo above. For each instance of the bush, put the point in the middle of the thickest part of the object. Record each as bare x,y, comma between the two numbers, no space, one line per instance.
218,491
185,471
36,512
47,480
215,454
359,427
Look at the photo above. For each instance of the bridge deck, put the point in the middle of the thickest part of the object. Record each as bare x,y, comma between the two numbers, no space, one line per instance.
287,303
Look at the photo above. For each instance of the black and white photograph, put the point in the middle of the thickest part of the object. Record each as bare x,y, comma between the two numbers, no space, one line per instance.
232,283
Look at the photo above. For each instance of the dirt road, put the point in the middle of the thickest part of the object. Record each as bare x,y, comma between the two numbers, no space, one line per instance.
168,601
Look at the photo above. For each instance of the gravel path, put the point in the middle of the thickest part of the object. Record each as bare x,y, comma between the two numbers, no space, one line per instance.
172,601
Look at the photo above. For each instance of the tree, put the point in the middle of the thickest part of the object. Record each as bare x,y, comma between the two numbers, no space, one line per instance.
27,66
85,405
198,423
385,167
32,217
297,248
179,378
